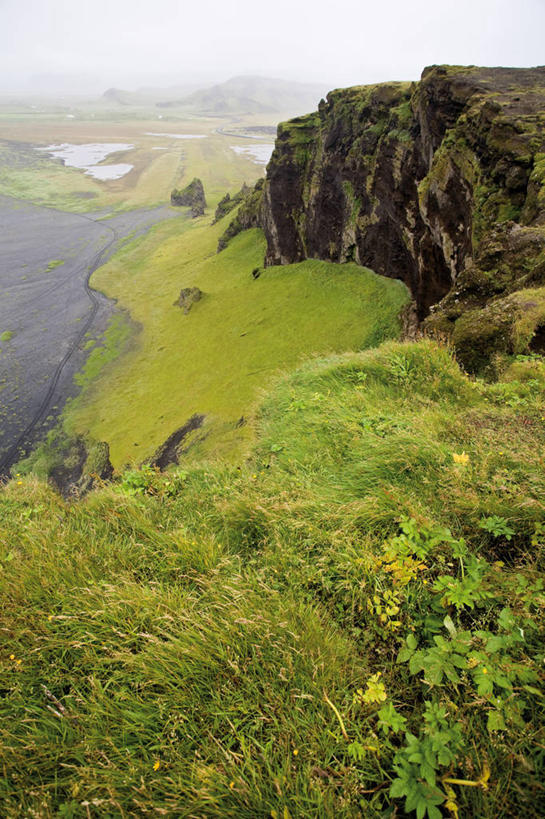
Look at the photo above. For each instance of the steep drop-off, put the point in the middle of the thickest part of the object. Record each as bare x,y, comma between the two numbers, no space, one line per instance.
439,183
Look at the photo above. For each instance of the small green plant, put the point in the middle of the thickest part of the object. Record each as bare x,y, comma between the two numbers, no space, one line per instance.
140,481
417,764
497,526
174,483
401,368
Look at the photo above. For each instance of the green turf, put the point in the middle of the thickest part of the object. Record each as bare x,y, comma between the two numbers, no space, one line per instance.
217,358
207,642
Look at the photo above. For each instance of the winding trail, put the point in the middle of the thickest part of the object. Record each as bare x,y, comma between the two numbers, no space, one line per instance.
37,364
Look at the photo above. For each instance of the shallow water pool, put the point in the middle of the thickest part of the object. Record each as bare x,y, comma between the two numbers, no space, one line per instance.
260,154
87,158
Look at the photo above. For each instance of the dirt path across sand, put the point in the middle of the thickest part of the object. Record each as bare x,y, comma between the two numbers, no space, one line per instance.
47,309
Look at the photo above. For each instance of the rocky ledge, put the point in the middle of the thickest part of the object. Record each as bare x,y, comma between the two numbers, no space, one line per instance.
439,183
191,196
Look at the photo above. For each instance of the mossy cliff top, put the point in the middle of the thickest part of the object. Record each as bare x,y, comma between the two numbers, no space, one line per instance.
440,183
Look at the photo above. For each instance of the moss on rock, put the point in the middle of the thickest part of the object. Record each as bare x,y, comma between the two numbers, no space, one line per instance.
249,214
229,203
510,325
191,196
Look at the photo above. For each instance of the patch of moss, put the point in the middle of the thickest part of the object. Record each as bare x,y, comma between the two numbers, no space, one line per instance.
113,342
54,263
300,129
503,326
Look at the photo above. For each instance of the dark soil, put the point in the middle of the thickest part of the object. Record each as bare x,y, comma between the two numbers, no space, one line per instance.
50,311
169,452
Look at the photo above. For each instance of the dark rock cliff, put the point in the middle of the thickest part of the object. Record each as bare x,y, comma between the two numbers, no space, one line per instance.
439,183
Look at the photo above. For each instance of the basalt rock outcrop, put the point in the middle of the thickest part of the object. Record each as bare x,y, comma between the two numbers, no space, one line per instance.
229,203
439,183
191,196
249,214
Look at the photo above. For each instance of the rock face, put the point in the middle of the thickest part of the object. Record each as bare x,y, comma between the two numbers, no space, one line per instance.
228,203
439,183
249,215
74,465
192,197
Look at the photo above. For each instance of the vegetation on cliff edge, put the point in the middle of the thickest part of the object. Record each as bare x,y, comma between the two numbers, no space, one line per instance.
216,359
349,623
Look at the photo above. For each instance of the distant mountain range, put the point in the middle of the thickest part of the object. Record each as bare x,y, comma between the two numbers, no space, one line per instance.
239,95
148,95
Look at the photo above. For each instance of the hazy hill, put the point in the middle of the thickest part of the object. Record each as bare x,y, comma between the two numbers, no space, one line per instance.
148,95
252,95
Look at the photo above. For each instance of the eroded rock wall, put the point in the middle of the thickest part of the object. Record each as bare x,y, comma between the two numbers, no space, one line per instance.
439,183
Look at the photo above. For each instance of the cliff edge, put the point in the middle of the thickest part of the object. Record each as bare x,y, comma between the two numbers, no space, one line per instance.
439,183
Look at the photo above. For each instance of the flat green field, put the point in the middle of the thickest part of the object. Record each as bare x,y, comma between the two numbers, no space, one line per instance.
160,162
216,359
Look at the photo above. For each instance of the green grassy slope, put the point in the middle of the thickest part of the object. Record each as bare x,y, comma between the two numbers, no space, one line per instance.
217,358
207,643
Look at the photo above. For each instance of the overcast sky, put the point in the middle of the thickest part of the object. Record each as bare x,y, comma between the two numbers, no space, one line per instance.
89,45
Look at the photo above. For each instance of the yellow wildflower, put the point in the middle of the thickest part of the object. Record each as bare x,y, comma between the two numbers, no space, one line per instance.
156,765
231,785
12,656
295,751
462,458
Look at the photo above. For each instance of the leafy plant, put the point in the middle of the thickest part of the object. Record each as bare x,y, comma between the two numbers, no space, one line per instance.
417,764
139,481
497,526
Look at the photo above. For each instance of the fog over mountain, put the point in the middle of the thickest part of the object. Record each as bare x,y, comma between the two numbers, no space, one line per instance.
65,47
